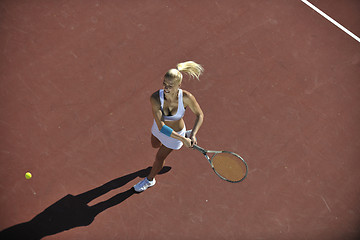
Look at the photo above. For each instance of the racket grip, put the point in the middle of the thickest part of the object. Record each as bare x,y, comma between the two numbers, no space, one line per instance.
200,149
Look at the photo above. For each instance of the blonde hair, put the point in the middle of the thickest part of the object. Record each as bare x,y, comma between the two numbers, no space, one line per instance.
190,67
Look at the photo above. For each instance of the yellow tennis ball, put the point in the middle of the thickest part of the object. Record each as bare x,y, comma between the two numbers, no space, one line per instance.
28,175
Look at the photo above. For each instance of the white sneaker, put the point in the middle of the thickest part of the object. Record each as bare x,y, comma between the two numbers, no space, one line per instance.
144,184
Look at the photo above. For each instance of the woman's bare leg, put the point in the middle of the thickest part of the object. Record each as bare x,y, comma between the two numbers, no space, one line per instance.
159,162
155,143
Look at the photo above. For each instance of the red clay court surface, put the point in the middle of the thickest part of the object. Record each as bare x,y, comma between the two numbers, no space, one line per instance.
281,88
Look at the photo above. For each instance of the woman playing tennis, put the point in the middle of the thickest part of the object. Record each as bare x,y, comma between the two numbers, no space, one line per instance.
168,107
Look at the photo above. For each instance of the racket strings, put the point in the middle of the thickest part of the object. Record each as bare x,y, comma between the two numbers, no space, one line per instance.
229,166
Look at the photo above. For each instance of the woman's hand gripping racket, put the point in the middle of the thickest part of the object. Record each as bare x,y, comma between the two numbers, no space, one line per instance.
228,166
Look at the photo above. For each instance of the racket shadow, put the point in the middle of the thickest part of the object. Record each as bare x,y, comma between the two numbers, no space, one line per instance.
73,211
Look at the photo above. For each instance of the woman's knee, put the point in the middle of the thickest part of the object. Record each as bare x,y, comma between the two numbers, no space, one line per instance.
162,154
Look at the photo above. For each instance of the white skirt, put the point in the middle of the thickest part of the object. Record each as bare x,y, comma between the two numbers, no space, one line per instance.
168,142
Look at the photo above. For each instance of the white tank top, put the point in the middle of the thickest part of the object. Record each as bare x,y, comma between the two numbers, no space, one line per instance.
180,111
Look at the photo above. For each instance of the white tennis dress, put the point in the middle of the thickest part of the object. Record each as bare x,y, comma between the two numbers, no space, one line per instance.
170,142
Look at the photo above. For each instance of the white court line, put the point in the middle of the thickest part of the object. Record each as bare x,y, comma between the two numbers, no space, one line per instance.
331,20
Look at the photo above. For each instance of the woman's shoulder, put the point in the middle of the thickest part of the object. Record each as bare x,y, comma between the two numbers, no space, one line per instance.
154,98
155,94
187,94
188,98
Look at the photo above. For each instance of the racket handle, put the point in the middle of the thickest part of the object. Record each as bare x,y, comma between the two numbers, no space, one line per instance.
200,149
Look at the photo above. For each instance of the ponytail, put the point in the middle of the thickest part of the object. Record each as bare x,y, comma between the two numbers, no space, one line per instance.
191,68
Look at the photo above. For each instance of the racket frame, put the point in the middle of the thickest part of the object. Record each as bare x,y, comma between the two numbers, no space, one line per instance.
205,152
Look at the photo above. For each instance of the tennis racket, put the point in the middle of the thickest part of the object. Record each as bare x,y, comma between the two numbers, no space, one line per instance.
229,166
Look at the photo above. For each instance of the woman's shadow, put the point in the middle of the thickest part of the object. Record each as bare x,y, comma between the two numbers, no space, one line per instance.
73,211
